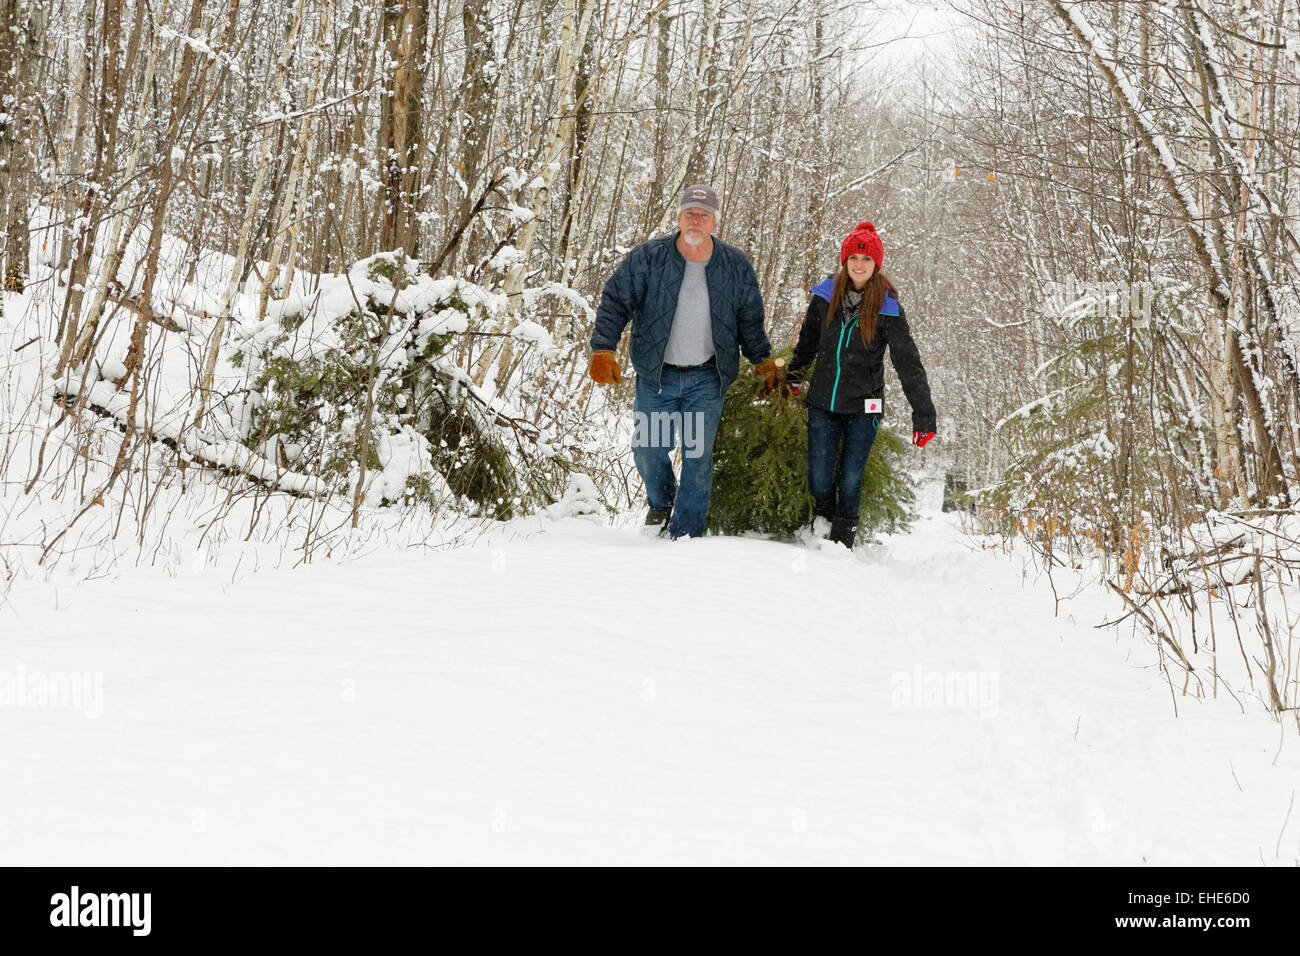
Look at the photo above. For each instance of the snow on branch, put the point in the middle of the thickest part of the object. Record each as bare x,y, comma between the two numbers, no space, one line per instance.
1117,78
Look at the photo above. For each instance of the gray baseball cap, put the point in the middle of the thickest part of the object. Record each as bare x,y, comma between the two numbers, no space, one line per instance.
699,196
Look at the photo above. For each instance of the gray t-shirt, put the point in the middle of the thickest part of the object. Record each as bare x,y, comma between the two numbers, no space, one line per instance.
691,340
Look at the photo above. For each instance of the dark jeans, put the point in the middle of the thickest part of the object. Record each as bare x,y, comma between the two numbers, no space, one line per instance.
688,407
846,436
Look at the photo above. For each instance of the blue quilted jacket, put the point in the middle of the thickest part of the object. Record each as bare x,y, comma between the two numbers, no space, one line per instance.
643,290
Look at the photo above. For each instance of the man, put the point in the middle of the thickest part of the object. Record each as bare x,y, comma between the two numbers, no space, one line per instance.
693,302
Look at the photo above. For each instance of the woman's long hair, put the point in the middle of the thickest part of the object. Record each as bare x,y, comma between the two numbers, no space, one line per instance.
873,297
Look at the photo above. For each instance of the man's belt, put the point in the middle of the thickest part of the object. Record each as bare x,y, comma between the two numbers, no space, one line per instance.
712,360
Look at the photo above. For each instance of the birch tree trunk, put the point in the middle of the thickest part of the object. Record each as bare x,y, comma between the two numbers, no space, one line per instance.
476,112
70,150
21,30
364,78
663,88
289,196
1204,232
183,93
101,42
405,32
539,188
250,213
79,352
689,168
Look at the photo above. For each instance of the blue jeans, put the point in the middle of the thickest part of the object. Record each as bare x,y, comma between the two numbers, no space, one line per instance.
839,492
688,406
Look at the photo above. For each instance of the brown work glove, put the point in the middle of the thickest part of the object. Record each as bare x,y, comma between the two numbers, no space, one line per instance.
766,370
604,368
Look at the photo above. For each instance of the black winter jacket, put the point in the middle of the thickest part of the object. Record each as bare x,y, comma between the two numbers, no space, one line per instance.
850,376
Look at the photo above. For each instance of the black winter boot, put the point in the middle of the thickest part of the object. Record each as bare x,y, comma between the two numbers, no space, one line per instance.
823,508
656,524
844,531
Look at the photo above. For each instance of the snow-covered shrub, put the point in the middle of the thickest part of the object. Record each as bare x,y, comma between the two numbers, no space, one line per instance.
466,451
362,364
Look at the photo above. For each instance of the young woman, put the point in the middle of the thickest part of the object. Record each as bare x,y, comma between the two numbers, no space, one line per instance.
851,318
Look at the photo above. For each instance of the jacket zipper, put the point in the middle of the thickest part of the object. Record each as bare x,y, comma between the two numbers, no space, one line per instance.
838,349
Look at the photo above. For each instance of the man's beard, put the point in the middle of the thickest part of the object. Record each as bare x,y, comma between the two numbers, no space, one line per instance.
693,241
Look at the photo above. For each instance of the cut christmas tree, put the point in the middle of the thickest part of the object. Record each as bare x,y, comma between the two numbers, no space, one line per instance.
760,467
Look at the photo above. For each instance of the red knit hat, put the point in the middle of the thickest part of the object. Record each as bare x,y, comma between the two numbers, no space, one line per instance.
863,238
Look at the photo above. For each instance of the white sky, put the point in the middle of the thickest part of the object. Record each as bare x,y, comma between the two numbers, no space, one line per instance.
917,31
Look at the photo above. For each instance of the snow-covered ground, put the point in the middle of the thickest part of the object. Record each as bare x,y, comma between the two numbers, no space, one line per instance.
179,686
565,691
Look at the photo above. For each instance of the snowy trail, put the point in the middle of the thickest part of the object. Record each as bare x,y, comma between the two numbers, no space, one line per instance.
569,692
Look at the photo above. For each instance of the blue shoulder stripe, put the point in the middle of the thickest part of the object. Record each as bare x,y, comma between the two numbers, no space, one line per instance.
824,289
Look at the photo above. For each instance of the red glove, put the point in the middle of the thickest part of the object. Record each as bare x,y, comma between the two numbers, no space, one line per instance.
920,438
